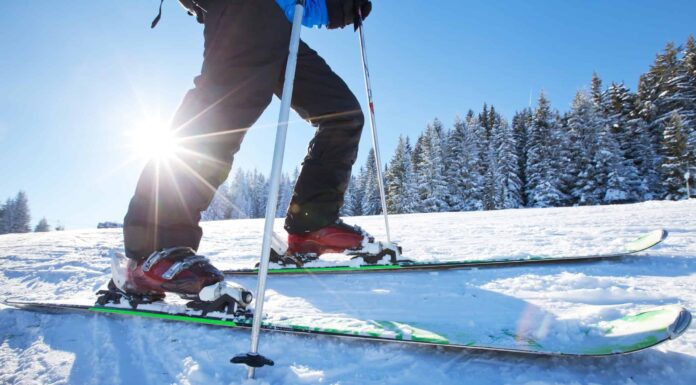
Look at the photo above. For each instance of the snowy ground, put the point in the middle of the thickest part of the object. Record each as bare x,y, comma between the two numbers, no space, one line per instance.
92,349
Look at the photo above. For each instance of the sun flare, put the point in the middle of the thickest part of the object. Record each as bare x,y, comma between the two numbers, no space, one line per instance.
153,139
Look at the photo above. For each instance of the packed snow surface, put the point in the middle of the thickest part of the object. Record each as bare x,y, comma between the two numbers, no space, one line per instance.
40,348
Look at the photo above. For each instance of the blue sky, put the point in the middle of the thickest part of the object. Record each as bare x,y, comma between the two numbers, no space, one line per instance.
76,77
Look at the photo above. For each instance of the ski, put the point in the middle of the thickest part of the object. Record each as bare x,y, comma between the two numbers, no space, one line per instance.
609,337
356,265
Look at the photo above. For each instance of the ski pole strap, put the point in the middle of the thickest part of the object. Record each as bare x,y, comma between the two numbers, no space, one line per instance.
158,17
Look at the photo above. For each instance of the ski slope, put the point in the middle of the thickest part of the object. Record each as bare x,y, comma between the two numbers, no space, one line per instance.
549,300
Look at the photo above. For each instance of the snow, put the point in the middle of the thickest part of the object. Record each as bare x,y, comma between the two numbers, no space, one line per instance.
541,300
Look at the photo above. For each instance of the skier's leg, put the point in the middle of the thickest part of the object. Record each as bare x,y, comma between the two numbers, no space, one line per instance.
323,98
245,49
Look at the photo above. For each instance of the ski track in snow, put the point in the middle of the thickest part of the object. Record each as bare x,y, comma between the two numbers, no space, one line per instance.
91,349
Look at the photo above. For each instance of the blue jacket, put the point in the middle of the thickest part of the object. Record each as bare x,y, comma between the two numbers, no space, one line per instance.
315,12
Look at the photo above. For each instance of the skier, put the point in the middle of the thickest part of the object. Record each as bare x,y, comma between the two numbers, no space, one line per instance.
246,46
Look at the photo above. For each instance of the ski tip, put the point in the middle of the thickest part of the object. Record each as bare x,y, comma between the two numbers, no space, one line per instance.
647,241
681,324
665,233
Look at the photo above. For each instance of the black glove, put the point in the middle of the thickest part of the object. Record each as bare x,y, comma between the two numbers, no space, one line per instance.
347,12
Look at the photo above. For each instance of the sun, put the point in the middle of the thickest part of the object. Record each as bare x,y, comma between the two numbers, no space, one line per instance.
153,139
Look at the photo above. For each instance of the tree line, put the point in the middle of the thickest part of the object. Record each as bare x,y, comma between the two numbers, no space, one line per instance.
614,145
15,216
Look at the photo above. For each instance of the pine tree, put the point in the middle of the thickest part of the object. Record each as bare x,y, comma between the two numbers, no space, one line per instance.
420,171
287,186
352,203
476,145
399,180
410,192
596,90
219,207
16,217
507,180
520,124
542,180
239,196
371,204
5,217
687,100
458,173
646,112
42,226
436,200
675,162
583,125
619,105
609,168
666,70
663,99
258,191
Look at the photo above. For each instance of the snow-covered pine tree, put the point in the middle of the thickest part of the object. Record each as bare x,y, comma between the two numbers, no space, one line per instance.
541,178
646,111
239,196
619,105
507,181
15,215
458,173
258,190
609,168
436,201
520,124
5,216
22,216
607,157
687,93
287,186
476,146
398,179
420,171
220,207
410,193
347,209
596,90
561,160
662,77
352,201
583,124
675,161
667,70
371,203
484,121
42,226
490,196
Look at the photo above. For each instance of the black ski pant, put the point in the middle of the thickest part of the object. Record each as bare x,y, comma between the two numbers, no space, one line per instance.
246,49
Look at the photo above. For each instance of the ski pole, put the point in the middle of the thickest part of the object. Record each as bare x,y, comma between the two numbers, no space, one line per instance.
253,359
373,126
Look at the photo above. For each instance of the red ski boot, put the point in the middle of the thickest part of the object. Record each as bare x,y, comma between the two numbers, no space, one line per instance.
337,238
178,270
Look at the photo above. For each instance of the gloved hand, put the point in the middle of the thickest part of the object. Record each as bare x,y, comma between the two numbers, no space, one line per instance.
347,12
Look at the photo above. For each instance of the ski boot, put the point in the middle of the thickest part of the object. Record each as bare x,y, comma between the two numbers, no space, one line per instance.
177,270
335,238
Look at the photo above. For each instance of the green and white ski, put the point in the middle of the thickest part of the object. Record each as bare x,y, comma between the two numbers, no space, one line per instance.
618,336
642,243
